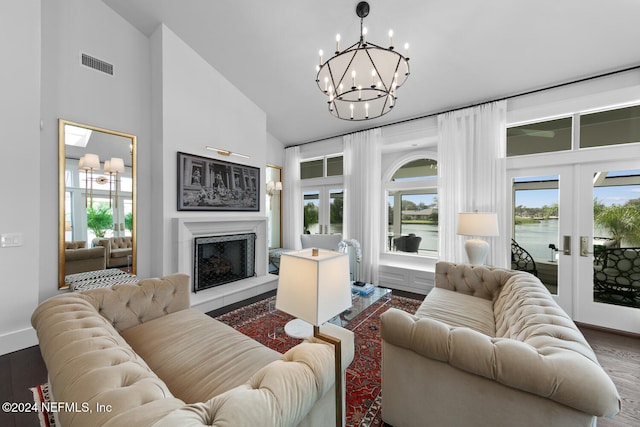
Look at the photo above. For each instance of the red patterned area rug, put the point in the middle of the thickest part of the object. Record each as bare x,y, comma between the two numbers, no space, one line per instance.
263,323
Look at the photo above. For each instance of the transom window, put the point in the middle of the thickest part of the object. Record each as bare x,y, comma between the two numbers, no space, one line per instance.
320,168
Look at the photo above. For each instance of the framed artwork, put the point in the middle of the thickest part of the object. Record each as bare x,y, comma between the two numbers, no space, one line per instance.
206,184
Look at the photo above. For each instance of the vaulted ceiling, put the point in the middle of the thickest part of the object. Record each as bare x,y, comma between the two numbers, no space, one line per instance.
462,52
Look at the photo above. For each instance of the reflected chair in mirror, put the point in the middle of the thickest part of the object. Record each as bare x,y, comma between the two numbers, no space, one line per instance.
410,243
616,276
521,259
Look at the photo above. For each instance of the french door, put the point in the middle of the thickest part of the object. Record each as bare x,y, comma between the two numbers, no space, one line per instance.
323,209
564,216
608,258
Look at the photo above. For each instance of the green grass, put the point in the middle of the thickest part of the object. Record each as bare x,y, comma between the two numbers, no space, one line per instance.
522,220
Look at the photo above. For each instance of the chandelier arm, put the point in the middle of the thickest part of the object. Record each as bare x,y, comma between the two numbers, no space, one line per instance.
375,67
346,69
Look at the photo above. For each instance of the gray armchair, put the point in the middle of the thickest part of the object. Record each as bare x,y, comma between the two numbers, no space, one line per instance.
410,243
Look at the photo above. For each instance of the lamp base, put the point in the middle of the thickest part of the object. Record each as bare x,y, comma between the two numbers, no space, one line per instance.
477,251
337,348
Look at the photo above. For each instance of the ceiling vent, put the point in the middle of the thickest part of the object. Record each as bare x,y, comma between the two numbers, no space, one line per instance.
97,64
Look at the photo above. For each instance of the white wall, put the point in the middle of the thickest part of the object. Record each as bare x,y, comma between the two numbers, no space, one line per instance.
275,151
74,92
198,107
19,170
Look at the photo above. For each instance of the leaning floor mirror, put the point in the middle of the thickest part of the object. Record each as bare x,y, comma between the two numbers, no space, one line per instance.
97,204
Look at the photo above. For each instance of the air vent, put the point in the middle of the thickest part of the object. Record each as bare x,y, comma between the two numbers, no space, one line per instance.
97,64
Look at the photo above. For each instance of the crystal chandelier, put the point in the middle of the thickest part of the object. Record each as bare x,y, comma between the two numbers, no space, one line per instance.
361,81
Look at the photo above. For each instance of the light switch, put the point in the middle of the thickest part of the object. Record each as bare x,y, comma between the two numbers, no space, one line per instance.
8,240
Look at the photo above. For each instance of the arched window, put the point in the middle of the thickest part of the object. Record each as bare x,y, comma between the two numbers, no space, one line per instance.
412,207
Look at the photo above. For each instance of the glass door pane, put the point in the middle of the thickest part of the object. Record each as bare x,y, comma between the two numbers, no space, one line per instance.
535,242
616,241
336,203
311,212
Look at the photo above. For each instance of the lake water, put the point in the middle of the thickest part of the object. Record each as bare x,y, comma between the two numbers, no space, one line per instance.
535,238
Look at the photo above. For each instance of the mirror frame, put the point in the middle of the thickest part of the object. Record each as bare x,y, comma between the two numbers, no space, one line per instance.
62,190
281,171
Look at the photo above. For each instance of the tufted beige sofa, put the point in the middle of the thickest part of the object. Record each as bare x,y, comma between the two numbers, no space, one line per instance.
117,250
78,258
139,351
490,347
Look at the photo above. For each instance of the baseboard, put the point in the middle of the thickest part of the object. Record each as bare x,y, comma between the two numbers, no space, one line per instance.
220,296
18,340
607,330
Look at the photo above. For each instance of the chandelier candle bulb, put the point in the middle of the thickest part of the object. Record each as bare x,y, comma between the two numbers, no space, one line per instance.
366,110
351,107
406,50
337,43
364,35
326,83
359,93
391,39
353,79
320,53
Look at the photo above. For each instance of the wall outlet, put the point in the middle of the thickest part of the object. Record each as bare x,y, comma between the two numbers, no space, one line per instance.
8,240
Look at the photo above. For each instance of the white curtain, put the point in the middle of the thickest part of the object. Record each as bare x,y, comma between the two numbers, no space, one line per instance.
292,192
472,173
362,208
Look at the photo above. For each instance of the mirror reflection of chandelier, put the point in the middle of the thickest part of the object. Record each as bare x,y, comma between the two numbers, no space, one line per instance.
88,163
114,167
361,81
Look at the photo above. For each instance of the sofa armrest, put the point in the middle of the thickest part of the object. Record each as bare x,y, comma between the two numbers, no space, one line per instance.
128,305
552,372
280,394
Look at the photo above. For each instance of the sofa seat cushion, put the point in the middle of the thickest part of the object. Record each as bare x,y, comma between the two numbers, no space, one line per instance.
120,253
459,310
197,356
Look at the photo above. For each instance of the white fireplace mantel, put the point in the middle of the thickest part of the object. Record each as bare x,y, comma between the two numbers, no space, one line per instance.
209,299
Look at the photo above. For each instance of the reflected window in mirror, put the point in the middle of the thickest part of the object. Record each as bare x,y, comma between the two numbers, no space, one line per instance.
97,188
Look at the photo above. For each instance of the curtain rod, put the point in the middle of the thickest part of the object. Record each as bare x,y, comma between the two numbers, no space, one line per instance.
530,92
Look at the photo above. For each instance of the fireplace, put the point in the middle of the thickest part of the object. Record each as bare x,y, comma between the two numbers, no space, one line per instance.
223,259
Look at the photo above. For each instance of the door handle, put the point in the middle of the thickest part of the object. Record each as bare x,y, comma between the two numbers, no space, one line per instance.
566,245
584,246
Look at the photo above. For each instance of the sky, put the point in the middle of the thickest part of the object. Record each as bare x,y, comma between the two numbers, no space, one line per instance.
607,195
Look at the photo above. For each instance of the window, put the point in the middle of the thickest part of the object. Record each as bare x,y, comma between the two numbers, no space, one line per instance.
412,208
541,137
319,168
621,126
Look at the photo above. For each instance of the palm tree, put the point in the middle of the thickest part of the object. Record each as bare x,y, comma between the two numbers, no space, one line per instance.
622,222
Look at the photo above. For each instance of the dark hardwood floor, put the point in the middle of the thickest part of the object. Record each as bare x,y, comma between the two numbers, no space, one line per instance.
618,354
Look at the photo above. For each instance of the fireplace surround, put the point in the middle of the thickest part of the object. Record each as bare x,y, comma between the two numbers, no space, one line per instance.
186,228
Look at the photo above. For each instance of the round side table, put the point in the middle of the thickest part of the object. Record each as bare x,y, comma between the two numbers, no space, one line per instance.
298,328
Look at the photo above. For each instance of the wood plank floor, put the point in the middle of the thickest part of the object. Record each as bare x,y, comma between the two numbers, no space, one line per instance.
618,354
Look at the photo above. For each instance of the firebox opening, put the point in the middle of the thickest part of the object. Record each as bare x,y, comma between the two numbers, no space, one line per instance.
223,259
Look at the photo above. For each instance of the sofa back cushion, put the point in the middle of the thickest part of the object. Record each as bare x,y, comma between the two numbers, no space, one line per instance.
76,244
121,242
475,280
128,305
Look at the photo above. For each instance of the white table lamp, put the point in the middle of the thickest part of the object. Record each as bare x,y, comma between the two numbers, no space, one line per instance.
477,224
314,285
